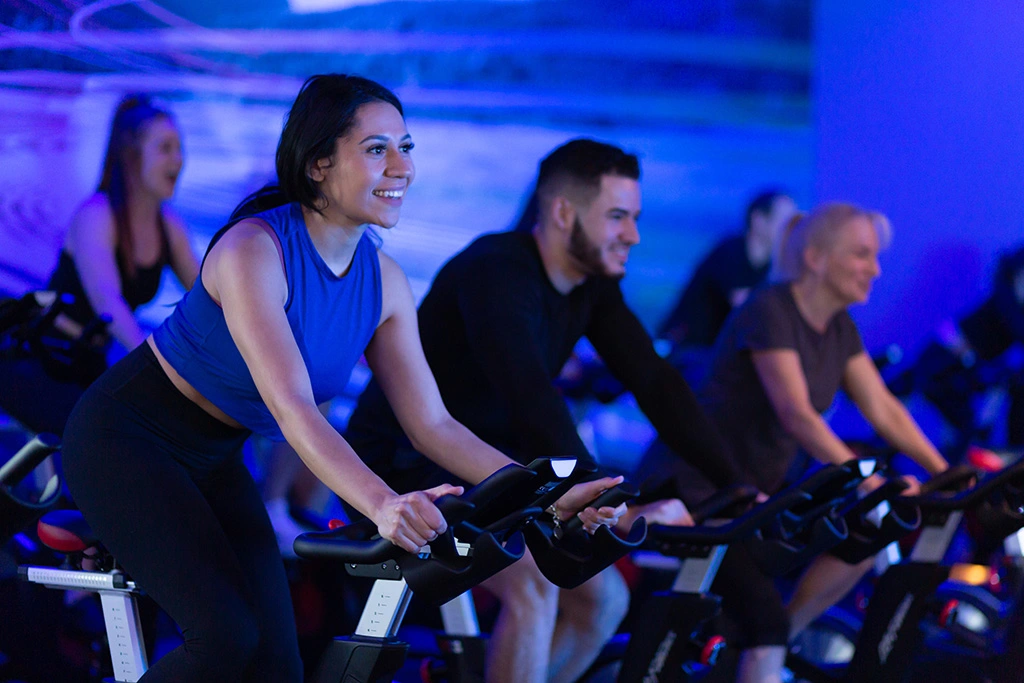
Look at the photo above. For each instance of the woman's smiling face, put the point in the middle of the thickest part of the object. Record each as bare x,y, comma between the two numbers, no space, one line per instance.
852,261
365,180
160,157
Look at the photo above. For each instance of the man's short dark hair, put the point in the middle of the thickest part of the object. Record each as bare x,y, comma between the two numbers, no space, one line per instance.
762,204
581,163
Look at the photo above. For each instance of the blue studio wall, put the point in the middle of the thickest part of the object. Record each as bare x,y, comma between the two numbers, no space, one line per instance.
910,107
713,94
918,112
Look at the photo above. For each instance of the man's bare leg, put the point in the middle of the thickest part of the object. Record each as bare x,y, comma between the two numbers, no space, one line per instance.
520,647
587,619
825,582
762,664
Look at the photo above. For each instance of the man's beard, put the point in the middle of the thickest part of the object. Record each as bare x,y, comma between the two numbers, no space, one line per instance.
587,254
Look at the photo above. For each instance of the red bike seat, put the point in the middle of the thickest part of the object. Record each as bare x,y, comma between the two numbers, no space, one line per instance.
65,531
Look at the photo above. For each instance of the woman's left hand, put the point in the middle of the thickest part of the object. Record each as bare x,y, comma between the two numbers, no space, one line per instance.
576,498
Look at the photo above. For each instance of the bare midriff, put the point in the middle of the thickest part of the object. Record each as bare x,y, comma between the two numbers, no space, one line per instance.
188,390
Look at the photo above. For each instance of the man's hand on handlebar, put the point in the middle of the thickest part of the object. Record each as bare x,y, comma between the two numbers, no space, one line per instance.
876,480
670,512
870,484
410,521
576,498
913,485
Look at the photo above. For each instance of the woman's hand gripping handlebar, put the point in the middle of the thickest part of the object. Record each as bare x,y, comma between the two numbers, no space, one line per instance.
412,520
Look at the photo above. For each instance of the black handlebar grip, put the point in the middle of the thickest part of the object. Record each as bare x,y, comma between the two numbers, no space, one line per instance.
953,479
724,501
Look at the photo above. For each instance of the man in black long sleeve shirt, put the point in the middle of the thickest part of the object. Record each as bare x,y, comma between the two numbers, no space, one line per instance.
497,325
496,333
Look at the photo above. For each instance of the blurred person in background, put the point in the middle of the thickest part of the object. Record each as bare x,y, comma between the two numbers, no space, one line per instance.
778,364
118,243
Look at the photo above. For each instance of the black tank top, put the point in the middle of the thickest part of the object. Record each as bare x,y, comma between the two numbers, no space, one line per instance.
136,290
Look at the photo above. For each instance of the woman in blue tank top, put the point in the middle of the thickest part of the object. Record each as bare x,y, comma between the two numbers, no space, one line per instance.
290,294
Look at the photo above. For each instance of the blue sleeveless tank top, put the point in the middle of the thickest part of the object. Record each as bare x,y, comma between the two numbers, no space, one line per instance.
332,318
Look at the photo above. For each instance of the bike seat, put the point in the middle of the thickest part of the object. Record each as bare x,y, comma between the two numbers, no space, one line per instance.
66,531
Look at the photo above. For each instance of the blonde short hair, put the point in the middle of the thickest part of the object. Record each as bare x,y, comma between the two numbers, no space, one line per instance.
819,228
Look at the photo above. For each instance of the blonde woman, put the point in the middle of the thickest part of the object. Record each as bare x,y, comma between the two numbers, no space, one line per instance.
778,364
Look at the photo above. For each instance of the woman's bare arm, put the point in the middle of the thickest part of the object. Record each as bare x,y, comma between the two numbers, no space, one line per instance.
183,259
887,415
786,386
92,244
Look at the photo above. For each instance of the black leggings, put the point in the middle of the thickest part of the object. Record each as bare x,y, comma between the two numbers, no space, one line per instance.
751,598
163,485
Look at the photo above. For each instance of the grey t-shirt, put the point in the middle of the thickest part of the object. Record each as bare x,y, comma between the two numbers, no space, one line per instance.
736,400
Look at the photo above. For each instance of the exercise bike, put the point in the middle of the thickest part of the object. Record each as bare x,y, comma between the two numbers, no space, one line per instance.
485,535
904,596
673,642
480,542
461,647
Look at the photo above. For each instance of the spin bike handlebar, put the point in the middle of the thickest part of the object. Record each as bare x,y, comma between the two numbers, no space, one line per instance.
789,528
498,504
568,556
361,544
496,517
728,503
670,539
875,520
489,517
612,498
936,493
945,493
